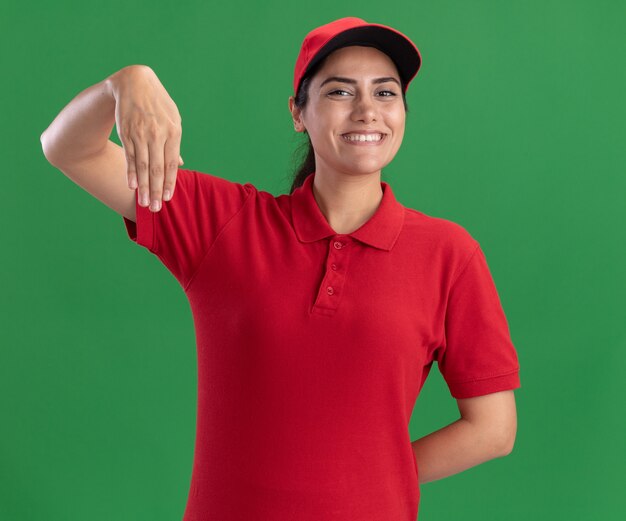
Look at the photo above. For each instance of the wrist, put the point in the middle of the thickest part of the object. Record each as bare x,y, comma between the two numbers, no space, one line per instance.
116,80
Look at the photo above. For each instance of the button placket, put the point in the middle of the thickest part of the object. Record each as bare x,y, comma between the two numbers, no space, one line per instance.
330,290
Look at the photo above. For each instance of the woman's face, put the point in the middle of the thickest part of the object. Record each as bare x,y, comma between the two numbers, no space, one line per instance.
355,94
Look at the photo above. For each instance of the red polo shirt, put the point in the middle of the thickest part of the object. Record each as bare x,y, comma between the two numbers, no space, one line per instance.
313,345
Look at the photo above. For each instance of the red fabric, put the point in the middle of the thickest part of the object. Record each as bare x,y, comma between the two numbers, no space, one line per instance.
304,392
396,45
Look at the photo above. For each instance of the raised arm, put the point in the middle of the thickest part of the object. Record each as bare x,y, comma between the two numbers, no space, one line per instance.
149,126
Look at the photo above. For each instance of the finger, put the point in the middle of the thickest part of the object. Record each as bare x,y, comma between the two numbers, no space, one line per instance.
129,152
172,146
141,167
156,170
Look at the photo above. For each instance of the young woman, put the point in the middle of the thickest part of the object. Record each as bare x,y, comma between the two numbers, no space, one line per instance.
318,313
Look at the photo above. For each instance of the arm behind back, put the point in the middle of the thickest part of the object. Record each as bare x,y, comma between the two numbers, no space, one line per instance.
103,175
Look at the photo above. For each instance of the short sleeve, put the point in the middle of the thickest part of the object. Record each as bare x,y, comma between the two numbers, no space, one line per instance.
477,356
188,224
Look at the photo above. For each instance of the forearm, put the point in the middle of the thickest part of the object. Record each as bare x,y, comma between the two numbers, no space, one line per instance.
84,125
454,448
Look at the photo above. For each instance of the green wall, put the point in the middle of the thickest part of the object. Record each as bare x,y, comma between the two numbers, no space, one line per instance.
515,131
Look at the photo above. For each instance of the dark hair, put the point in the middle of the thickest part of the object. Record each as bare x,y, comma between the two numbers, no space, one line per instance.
306,165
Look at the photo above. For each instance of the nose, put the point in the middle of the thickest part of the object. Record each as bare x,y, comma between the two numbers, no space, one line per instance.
364,109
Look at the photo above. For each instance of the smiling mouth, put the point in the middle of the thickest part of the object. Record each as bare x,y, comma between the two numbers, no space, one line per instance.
366,139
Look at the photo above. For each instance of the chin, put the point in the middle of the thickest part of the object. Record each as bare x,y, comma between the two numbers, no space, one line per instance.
366,167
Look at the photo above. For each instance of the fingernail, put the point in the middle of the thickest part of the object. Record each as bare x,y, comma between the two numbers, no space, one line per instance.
156,205
144,200
166,195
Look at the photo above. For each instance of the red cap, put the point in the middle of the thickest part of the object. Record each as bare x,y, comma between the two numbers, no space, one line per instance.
320,42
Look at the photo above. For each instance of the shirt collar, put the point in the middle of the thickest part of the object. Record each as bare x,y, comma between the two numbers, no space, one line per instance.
380,231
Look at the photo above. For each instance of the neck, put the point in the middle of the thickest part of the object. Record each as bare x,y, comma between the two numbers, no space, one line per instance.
347,201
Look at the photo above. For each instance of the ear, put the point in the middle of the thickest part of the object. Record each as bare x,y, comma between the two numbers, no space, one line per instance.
296,115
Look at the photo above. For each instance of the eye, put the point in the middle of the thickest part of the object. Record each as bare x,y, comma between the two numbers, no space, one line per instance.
389,93
337,91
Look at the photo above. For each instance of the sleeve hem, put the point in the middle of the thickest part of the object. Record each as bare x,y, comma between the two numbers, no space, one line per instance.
141,231
470,389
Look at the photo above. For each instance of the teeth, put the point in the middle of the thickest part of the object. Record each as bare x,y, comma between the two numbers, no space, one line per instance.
363,137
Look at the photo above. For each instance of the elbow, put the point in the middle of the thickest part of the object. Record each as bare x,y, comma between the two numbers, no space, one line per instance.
42,140
506,443
45,147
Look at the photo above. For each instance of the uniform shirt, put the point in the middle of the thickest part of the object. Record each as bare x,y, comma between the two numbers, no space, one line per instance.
312,345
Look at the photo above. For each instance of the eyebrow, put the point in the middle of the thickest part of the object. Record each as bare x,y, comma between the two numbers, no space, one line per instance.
353,82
